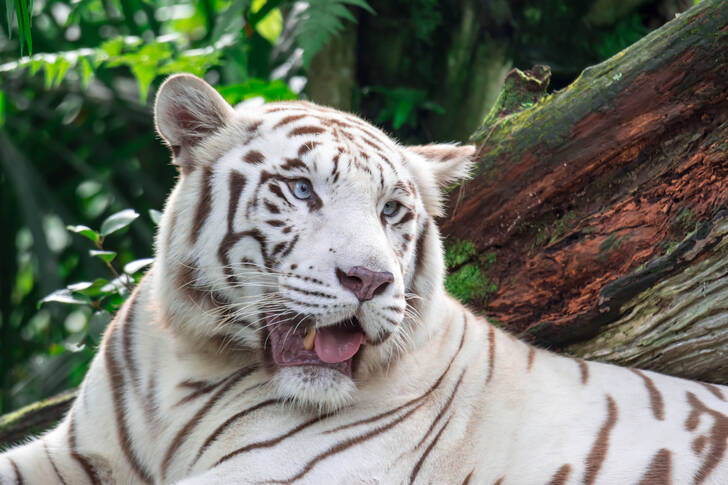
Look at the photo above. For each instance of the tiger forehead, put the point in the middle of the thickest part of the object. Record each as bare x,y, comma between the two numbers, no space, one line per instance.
304,120
304,136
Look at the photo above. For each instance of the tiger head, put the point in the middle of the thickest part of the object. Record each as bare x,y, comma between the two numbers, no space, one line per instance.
301,235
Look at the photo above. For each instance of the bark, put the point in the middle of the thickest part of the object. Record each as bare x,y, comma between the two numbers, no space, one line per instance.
34,418
595,214
596,222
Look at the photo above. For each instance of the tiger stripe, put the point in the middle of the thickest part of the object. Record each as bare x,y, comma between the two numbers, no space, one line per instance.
660,470
53,463
584,369
717,439
78,457
561,475
427,451
598,453
346,444
491,354
657,404
186,430
235,417
19,480
118,393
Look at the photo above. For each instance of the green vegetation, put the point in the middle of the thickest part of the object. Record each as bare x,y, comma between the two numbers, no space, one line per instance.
467,279
83,174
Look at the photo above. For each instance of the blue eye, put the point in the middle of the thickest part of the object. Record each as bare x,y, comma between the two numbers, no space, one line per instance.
390,208
301,188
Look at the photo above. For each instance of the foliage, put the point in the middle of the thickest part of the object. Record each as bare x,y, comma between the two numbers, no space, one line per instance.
78,148
467,279
321,20
21,11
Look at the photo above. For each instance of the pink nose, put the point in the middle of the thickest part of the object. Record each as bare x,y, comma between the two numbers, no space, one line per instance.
363,282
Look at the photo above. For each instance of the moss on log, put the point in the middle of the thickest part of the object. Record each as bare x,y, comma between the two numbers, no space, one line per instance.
577,192
34,418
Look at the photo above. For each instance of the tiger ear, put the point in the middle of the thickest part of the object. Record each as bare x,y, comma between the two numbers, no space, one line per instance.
186,111
438,166
448,163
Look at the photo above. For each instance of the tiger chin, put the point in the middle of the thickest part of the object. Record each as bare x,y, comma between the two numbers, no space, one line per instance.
294,328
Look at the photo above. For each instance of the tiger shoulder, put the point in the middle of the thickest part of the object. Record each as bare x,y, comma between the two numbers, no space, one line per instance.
294,328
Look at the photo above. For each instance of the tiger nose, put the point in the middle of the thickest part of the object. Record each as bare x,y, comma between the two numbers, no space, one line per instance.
363,282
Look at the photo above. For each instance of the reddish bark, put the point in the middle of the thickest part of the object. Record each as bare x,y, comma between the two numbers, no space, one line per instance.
629,158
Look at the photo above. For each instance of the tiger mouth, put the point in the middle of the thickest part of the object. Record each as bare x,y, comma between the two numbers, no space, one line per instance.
300,344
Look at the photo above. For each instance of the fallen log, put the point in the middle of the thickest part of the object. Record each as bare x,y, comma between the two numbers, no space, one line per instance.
593,207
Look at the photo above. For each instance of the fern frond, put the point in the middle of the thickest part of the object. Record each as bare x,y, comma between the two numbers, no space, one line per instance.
321,20
22,12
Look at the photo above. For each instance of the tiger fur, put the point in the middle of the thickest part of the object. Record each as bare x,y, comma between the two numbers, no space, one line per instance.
289,217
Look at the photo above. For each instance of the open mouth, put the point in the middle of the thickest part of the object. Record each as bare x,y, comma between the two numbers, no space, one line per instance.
296,344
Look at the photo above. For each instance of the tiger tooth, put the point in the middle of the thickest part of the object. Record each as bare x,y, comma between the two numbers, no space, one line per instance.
309,339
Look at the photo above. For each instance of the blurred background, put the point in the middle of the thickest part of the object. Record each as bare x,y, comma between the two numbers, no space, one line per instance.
83,175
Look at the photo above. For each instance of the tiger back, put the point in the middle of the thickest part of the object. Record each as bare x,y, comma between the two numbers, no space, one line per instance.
294,328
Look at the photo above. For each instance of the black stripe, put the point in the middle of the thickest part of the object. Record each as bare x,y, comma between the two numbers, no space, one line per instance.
346,444
271,442
419,463
126,340
53,463
18,476
411,402
81,459
118,397
308,292
290,247
443,410
187,429
220,429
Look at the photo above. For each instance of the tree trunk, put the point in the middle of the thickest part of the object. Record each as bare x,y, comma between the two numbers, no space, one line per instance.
595,222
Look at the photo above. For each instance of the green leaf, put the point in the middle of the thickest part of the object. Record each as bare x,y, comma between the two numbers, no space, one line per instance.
10,13
321,21
136,265
155,216
270,26
88,288
231,20
112,47
23,15
105,256
63,296
118,221
62,66
118,285
86,232
86,71
50,68
270,91
144,64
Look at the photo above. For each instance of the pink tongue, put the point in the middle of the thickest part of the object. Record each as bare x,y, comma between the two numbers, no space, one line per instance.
336,344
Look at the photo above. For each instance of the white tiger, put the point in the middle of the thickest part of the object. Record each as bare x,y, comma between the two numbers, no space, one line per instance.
294,329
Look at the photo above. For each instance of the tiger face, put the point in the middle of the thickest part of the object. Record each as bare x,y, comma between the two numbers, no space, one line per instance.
299,235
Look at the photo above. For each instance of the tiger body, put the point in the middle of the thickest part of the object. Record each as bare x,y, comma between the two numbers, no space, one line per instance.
229,363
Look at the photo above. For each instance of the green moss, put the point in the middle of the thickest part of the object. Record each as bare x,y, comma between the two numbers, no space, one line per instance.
458,253
470,285
468,280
